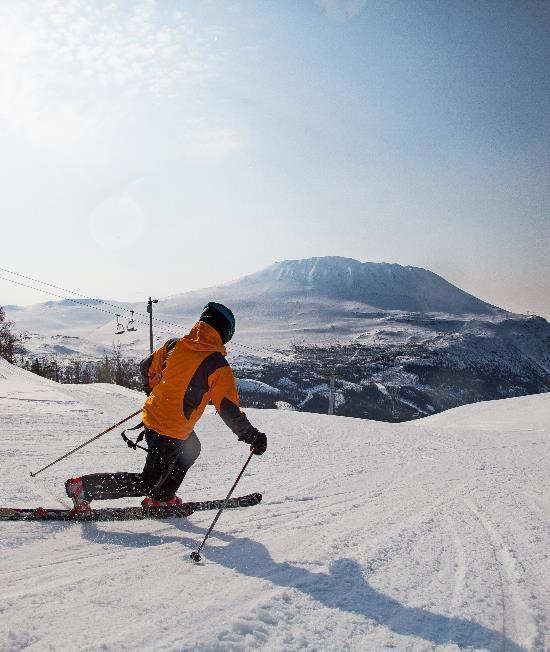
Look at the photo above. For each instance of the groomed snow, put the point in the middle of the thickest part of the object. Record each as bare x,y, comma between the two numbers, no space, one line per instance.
419,536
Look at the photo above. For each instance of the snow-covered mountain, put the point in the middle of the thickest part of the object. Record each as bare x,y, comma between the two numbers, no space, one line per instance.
325,299
403,341
312,293
337,285
330,299
431,535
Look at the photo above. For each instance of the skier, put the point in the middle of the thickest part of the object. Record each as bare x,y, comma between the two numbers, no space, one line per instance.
180,379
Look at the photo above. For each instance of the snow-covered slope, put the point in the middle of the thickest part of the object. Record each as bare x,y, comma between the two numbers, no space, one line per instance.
417,536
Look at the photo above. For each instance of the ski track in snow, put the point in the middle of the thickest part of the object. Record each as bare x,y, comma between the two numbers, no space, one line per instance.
372,536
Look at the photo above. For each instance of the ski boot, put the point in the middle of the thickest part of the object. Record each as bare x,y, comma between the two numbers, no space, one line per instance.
150,503
75,490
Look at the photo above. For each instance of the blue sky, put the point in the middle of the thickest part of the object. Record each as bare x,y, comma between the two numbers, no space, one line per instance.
154,147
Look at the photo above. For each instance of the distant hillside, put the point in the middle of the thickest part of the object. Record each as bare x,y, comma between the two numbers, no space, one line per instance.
402,340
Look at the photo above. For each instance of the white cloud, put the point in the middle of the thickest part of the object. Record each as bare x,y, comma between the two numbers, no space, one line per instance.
68,67
342,9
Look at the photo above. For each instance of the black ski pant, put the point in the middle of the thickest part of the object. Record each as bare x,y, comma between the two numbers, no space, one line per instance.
168,460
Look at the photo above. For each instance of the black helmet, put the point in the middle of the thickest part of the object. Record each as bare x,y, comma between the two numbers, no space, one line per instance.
221,318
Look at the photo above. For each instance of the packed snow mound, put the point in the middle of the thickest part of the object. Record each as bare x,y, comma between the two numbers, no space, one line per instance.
426,536
15,383
14,375
510,414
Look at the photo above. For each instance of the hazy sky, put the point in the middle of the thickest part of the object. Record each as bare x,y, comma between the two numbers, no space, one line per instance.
154,147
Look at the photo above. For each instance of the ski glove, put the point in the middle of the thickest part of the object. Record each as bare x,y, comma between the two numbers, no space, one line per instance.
256,439
259,445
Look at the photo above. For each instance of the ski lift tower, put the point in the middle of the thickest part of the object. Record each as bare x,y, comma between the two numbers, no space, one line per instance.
332,375
332,392
150,311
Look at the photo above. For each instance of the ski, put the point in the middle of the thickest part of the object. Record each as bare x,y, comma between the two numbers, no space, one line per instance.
127,513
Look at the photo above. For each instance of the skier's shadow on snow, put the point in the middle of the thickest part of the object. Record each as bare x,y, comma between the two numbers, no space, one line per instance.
343,587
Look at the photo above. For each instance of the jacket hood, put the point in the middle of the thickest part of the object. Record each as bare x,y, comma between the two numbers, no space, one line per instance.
203,337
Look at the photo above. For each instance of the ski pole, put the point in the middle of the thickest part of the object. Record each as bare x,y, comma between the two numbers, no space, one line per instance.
84,444
196,556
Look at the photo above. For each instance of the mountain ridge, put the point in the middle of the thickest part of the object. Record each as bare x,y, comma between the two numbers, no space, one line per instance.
383,286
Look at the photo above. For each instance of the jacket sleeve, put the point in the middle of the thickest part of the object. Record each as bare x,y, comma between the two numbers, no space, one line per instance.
152,366
224,396
146,369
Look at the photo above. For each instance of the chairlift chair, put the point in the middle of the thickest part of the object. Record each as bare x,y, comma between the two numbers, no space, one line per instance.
119,326
131,324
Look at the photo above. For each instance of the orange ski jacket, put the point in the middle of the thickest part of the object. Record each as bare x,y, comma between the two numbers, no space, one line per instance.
182,377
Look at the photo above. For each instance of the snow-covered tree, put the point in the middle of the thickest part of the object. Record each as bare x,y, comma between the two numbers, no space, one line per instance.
8,339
